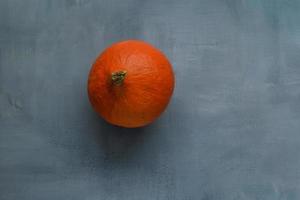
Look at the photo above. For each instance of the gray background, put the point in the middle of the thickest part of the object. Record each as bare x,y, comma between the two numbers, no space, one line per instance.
231,131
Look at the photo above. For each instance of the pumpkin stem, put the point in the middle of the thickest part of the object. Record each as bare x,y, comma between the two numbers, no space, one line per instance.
118,77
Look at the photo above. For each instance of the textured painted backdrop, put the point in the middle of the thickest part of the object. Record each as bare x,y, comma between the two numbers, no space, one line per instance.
231,132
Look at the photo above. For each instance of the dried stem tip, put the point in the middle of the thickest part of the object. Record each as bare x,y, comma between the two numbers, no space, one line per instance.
118,77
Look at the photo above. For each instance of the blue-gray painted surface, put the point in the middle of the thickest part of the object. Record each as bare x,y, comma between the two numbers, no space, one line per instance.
231,132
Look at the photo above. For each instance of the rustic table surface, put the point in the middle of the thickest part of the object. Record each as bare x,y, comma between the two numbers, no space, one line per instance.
232,130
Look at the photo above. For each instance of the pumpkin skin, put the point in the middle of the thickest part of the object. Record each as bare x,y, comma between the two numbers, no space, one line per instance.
130,84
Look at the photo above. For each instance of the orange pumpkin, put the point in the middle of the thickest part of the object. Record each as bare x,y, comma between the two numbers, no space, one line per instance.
130,83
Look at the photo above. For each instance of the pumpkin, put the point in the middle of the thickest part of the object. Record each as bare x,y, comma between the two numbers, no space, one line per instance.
130,84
